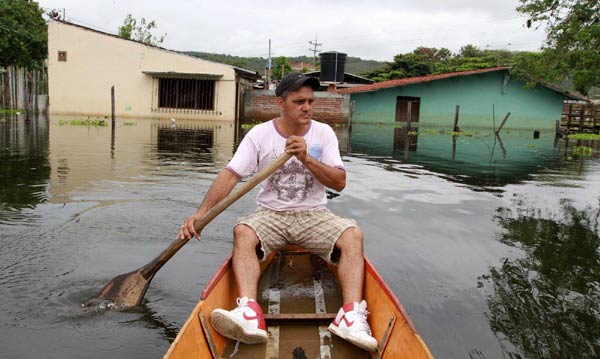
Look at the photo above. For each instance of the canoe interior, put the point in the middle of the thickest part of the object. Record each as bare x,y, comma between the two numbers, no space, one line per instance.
299,295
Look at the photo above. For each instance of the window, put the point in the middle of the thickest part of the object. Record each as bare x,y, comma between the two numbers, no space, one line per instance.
189,94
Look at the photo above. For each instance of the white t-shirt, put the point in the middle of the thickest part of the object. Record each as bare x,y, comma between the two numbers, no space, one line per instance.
292,186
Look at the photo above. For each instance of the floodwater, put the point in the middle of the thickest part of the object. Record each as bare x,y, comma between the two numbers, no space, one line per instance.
491,244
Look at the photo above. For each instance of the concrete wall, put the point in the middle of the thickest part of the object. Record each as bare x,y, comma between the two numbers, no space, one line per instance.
261,105
537,108
97,61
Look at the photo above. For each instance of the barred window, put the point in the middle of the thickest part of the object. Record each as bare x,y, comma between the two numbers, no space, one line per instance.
191,94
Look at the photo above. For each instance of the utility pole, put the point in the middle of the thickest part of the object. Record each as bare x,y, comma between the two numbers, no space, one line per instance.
314,50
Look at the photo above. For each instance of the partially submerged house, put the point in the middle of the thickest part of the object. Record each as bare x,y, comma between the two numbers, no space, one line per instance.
149,81
484,97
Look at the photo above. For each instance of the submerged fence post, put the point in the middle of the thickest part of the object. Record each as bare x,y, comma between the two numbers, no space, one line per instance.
455,127
503,122
112,105
112,123
454,137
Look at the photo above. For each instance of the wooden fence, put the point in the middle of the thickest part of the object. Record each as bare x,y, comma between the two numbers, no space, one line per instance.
580,117
24,89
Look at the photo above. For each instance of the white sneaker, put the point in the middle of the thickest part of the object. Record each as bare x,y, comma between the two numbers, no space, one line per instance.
351,324
245,323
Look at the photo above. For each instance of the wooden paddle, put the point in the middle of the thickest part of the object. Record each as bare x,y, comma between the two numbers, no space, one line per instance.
127,290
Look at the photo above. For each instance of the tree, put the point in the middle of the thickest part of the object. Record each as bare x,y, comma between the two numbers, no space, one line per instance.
572,40
23,34
424,61
142,32
470,51
280,63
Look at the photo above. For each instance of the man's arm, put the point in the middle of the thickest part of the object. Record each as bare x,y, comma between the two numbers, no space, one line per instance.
220,188
332,177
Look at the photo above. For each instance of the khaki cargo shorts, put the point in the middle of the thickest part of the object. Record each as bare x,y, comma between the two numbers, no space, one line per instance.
316,231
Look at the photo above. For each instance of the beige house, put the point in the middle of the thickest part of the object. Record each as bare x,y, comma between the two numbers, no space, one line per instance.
149,81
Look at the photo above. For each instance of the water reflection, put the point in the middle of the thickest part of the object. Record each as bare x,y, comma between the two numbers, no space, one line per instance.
24,165
475,158
178,139
547,304
135,150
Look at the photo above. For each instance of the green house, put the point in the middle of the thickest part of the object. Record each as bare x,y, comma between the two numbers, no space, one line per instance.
484,98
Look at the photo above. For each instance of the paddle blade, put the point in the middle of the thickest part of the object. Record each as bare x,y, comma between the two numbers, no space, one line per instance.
125,290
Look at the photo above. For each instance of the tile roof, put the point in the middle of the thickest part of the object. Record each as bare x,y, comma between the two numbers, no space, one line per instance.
415,80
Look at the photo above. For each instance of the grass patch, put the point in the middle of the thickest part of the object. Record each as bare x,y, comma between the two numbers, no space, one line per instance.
584,136
86,122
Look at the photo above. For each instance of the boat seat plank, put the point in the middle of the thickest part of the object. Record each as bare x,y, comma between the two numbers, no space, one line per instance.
299,317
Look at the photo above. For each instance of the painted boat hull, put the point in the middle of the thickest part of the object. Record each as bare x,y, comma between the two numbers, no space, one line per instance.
299,295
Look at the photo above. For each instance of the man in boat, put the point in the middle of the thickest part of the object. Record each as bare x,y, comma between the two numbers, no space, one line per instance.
291,210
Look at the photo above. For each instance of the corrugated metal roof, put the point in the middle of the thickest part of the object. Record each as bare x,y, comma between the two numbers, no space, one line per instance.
415,80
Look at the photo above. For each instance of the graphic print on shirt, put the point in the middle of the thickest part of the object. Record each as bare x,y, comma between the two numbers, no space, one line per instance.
292,182
316,151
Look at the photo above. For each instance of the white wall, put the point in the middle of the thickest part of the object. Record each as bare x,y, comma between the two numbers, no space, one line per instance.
96,61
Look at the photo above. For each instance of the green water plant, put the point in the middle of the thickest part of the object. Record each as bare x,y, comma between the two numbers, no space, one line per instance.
86,122
582,151
8,111
460,133
584,136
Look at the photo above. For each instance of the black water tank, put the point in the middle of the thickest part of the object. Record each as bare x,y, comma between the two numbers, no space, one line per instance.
333,65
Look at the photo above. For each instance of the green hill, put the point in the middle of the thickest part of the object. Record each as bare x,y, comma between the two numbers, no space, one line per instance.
354,65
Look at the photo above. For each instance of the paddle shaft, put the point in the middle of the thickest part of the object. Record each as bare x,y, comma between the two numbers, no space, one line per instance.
151,268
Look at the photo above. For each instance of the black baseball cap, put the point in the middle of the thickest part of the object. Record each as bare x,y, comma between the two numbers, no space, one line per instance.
293,81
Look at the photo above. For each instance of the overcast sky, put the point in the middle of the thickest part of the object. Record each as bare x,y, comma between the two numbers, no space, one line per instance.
376,29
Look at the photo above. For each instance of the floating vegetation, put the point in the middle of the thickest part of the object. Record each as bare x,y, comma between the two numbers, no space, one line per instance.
9,111
460,133
582,151
86,122
584,136
431,132
531,145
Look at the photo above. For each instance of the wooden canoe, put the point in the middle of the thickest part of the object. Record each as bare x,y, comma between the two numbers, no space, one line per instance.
300,296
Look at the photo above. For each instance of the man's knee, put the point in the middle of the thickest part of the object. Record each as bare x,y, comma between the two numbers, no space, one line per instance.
244,236
351,239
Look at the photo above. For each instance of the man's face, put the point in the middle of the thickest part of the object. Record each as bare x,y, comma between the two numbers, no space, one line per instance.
298,106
